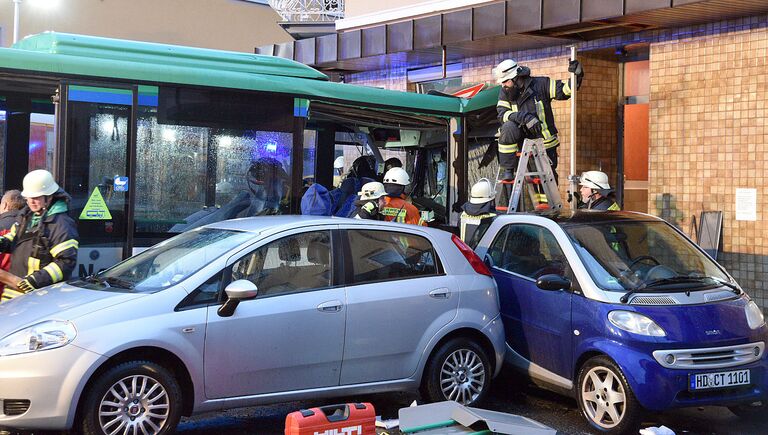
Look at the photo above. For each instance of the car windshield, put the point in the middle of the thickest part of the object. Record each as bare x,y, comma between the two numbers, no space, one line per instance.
166,263
647,256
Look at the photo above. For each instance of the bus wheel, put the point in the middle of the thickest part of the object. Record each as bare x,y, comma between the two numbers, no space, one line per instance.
133,397
605,398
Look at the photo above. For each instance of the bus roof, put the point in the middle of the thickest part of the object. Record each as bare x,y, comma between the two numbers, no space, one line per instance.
153,63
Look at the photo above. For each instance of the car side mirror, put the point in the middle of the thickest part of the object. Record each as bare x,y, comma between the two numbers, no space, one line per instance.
488,261
553,282
240,290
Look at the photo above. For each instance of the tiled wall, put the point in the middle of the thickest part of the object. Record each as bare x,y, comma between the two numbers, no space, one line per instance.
708,135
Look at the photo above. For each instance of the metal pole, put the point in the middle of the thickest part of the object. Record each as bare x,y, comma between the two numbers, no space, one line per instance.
16,11
572,177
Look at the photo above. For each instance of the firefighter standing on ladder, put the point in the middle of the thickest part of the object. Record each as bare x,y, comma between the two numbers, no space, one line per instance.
525,111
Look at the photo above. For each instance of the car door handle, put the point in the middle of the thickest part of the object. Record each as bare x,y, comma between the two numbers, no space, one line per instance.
440,293
330,306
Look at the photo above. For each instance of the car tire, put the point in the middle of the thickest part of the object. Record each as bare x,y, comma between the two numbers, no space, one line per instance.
139,387
605,398
459,370
749,411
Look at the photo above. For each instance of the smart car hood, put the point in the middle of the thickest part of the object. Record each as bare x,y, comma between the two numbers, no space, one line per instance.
705,324
57,302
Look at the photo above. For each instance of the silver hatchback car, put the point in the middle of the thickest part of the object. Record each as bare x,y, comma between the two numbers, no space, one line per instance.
248,312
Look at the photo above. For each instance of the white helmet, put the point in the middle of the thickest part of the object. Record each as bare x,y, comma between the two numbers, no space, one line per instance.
595,180
397,176
506,70
482,192
38,183
372,190
338,163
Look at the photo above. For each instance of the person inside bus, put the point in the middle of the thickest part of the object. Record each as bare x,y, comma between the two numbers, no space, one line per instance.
10,210
43,243
367,207
392,162
396,206
343,198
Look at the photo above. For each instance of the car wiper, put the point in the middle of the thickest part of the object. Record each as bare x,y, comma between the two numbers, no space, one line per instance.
734,288
661,281
119,282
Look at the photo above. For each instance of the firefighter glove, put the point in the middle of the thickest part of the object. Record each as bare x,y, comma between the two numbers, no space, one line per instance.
26,285
532,125
575,67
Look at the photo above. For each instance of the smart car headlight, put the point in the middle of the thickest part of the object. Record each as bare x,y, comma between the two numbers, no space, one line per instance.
635,323
755,318
42,336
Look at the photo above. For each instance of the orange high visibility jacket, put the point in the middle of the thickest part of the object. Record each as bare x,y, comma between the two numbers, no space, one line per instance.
400,210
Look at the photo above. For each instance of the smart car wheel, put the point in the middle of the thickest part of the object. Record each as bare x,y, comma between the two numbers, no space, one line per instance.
750,411
459,371
605,398
136,397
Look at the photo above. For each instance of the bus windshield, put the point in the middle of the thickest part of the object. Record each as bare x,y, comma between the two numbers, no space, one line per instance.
630,256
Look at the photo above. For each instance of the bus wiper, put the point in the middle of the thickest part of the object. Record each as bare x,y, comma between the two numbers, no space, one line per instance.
118,282
658,282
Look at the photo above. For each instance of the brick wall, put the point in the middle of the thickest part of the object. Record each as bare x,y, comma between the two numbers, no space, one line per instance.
708,137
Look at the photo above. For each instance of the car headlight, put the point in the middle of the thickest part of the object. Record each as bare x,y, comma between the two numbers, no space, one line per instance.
635,323
755,318
42,336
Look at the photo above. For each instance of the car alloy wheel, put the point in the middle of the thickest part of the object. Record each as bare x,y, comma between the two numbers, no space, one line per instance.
134,404
458,371
134,397
605,398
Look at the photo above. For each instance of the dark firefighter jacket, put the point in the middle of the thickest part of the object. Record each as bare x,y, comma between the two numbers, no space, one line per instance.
471,218
535,98
602,203
43,249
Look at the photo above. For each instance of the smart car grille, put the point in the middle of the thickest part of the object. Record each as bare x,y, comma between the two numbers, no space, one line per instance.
15,407
710,358
653,300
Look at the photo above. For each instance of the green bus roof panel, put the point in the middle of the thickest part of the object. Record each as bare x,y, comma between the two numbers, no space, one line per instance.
147,52
149,63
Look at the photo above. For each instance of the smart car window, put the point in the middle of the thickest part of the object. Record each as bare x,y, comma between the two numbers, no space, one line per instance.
295,263
388,255
531,251
627,255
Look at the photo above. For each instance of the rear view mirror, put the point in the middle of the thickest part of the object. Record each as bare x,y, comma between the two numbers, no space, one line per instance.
553,282
237,291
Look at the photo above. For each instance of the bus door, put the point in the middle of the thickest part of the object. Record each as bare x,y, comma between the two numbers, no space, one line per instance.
97,143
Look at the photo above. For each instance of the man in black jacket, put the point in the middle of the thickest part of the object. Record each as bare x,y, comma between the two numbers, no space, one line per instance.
43,243
525,111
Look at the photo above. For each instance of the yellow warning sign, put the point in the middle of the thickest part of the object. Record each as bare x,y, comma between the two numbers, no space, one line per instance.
96,209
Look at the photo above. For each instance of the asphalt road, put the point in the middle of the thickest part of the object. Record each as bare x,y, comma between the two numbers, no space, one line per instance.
508,394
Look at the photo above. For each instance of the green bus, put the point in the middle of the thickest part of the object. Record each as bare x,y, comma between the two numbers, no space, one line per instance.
152,139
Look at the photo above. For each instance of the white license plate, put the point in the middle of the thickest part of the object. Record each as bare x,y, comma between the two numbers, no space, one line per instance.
706,381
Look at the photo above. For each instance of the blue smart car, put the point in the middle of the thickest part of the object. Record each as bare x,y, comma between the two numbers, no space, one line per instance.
623,312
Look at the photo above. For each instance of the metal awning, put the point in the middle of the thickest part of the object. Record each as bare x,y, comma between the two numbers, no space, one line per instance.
501,26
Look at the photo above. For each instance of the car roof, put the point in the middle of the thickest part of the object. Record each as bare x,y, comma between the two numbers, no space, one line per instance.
278,223
577,217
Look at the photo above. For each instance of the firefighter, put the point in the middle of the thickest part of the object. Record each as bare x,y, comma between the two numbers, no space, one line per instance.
594,192
395,206
43,244
525,111
367,207
481,206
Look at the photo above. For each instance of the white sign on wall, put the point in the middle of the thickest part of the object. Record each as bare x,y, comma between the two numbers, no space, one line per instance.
746,204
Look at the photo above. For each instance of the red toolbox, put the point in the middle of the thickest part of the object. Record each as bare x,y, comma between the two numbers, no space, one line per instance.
347,419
